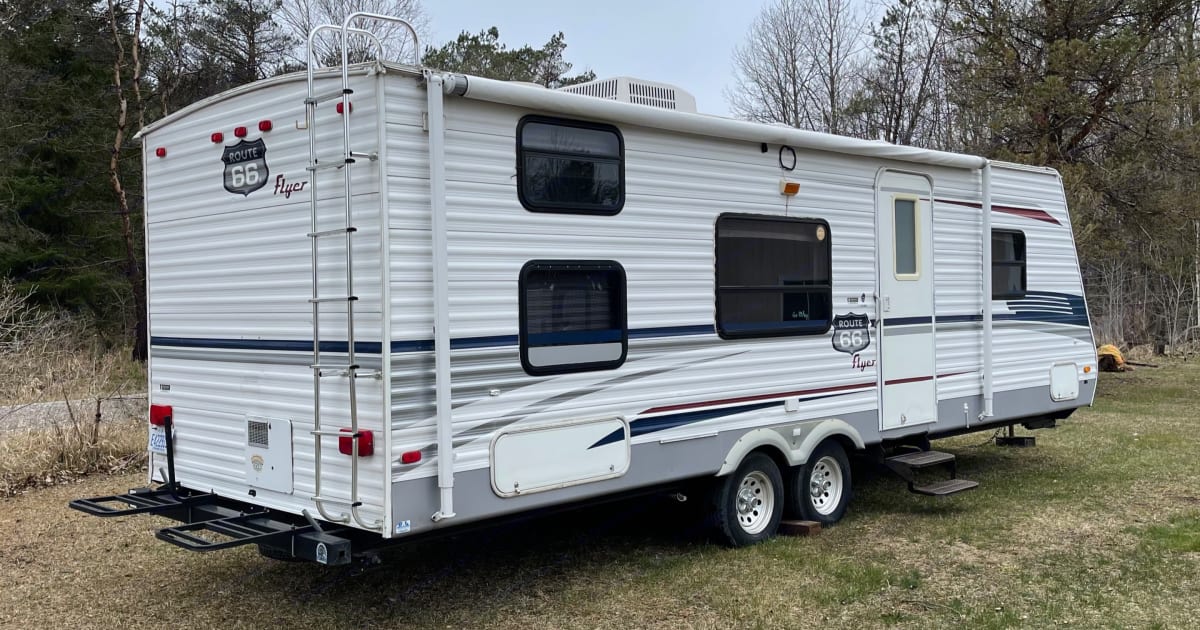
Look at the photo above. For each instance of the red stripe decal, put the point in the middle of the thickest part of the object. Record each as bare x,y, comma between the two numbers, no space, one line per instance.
741,399
918,379
1028,213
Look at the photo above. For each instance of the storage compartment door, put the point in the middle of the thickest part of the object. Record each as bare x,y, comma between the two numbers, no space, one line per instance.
536,459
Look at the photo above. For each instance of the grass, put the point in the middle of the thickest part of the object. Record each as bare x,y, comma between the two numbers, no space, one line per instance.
1097,527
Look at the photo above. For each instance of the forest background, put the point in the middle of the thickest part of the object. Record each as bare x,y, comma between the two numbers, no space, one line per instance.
1105,91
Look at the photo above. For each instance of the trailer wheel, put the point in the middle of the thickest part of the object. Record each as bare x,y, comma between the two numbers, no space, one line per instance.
820,489
748,504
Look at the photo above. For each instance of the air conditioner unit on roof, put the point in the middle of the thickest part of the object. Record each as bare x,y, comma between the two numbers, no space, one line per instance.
638,91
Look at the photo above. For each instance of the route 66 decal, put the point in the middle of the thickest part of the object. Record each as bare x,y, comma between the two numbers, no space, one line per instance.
245,167
851,332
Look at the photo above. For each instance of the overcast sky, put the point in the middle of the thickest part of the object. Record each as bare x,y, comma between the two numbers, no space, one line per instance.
688,43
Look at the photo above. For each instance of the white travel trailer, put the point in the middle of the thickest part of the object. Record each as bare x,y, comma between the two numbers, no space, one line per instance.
386,300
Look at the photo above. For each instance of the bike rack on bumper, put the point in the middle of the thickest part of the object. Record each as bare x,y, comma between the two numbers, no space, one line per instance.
211,522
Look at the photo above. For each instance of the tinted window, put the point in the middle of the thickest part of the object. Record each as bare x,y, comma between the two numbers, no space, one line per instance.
773,276
1008,264
566,166
572,316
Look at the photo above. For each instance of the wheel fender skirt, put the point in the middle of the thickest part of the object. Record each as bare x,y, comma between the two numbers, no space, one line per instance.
795,442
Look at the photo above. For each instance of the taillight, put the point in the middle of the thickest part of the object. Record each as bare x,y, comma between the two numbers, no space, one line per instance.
410,457
366,443
340,108
159,414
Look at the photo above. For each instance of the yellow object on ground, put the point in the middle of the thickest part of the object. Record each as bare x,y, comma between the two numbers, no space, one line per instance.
1110,358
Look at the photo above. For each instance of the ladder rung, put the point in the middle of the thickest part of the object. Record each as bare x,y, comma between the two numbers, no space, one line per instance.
351,298
322,166
321,366
326,96
331,433
365,156
345,230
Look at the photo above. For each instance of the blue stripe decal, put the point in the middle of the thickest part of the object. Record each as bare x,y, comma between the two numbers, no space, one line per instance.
575,337
662,423
278,345
671,331
643,426
907,321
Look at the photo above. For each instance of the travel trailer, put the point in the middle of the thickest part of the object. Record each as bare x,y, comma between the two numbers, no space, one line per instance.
388,300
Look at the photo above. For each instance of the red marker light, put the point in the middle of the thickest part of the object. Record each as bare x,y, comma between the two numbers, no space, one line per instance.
366,443
240,132
264,125
218,137
161,152
411,457
159,414
339,108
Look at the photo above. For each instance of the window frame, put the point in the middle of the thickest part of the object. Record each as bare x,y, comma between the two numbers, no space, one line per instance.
523,312
916,275
781,332
568,208
1024,264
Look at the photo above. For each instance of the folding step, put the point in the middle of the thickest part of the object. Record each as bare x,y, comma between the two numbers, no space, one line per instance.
236,531
922,459
141,501
945,487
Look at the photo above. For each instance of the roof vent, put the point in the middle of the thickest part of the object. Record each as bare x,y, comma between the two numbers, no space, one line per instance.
637,91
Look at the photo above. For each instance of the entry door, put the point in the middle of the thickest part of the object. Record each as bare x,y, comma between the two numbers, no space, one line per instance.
908,382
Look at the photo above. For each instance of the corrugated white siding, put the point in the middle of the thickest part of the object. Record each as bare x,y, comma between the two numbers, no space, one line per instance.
234,271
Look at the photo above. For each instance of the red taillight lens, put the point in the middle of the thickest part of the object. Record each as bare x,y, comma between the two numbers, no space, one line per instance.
161,152
264,125
340,108
218,137
410,457
159,414
239,132
366,443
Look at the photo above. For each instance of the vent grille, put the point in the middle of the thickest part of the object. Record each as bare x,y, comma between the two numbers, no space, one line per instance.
258,434
637,91
653,95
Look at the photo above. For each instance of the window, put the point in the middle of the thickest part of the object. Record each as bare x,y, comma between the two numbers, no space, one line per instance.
772,276
572,316
569,166
906,243
1008,264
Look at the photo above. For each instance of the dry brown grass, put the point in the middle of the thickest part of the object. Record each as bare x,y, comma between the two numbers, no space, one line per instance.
1098,526
61,390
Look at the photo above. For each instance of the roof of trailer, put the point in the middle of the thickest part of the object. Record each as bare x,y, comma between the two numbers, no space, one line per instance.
566,103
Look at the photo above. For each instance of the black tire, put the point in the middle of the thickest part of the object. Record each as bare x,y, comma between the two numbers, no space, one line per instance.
829,467
756,483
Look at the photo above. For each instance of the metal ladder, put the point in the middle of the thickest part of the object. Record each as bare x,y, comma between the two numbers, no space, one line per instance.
350,369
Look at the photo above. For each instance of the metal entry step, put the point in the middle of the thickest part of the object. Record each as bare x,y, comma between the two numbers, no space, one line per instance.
142,501
905,464
945,487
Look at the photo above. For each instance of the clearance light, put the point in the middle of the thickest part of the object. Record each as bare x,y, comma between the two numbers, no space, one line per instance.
240,132
264,125
788,188
410,457
366,443
217,137
159,414
1087,369
161,152
339,108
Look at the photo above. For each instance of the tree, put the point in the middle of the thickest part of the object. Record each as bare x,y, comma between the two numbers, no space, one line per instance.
901,99
242,38
483,55
800,64
300,16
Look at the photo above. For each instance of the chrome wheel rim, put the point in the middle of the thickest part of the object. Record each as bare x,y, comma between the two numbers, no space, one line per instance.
755,502
825,485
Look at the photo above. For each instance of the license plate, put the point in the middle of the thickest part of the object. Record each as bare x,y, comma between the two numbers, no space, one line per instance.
158,440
